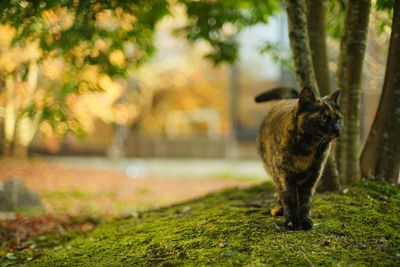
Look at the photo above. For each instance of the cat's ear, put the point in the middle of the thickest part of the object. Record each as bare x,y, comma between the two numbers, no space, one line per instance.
306,98
335,97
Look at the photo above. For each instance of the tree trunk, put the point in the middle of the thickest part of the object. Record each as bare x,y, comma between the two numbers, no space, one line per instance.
341,77
10,116
300,45
380,158
316,26
19,128
357,18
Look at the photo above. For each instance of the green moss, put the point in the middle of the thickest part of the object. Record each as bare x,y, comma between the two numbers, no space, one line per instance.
234,228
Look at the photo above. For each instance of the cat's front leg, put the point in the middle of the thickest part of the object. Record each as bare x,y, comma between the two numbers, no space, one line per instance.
290,208
304,194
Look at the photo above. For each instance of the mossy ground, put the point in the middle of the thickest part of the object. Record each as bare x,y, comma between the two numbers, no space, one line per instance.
233,228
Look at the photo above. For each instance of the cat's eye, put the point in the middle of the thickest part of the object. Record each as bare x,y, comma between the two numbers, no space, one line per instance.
324,118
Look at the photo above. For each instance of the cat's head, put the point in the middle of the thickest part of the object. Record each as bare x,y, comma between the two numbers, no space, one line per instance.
319,116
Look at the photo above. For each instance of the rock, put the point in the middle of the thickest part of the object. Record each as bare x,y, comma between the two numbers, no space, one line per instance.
14,196
326,242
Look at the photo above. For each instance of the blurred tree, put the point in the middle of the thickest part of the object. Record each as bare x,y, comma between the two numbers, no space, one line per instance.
96,42
217,23
185,87
353,45
380,158
19,90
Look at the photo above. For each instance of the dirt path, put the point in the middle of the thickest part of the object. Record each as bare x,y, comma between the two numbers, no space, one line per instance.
64,188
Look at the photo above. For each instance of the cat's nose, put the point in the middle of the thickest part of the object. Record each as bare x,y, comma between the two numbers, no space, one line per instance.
337,128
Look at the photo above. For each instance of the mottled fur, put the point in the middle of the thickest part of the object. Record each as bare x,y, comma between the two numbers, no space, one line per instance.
294,141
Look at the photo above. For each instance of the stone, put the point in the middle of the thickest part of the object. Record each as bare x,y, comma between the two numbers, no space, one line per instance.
15,196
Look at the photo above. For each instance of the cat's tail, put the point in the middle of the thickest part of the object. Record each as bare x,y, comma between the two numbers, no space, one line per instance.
277,93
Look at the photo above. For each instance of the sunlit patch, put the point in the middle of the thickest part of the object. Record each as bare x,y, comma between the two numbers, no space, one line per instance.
135,170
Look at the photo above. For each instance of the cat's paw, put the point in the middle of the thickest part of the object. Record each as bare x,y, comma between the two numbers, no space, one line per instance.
306,224
277,210
292,225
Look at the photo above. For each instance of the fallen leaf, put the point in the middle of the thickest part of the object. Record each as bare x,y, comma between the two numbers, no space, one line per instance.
11,256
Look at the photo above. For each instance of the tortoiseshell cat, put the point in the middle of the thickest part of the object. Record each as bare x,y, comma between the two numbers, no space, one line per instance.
294,141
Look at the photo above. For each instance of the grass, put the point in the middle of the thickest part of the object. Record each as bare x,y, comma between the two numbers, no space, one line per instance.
233,228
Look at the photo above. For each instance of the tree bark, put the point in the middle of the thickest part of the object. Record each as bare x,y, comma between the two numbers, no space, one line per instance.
380,158
341,77
357,18
316,27
19,129
300,45
10,116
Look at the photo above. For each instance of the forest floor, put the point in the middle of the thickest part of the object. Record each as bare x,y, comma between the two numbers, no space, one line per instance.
81,193
357,227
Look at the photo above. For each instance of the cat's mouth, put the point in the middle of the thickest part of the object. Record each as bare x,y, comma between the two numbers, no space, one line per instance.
337,129
337,132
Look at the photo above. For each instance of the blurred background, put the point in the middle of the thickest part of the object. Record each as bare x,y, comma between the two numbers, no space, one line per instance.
116,116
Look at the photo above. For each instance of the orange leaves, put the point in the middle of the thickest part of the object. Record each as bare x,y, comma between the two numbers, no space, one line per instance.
117,58
12,57
7,33
58,19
